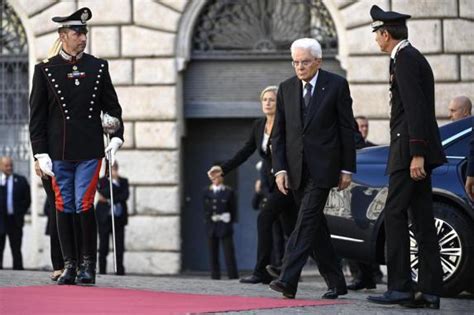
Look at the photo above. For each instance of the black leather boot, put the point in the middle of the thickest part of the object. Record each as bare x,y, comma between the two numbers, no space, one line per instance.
86,273
69,274
87,268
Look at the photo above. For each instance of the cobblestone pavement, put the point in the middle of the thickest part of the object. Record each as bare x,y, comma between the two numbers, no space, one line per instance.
312,287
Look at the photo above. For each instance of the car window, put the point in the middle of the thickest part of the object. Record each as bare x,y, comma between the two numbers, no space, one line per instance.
460,147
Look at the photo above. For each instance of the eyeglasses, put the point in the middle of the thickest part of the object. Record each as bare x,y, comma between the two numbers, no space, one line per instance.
304,63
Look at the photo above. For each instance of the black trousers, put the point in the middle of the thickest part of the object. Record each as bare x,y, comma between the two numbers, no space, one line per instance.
229,255
311,237
403,194
15,235
105,231
278,205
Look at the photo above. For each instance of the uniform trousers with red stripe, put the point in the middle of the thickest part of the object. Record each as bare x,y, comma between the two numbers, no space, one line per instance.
74,186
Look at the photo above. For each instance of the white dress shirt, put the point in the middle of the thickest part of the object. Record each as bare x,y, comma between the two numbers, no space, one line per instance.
8,182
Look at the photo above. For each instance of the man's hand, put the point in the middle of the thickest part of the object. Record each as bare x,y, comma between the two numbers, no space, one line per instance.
344,181
470,187
282,182
258,186
417,168
112,148
214,172
45,165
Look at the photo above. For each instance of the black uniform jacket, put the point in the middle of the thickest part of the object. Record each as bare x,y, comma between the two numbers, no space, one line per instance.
413,126
21,201
254,142
121,194
65,117
218,203
325,140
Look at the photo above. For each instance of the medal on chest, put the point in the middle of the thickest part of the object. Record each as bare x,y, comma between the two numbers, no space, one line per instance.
76,75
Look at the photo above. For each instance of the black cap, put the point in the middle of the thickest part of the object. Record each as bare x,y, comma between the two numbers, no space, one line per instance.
76,21
386,18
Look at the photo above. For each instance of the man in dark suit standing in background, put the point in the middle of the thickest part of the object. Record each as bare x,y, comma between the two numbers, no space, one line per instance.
104,218
313,150
415,150
15,200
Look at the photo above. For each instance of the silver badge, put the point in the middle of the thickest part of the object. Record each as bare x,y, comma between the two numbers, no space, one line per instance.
84,17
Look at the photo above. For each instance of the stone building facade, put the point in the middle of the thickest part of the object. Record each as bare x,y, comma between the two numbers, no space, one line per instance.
148,45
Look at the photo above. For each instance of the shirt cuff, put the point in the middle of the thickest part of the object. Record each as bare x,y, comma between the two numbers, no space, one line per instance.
280,172
346,172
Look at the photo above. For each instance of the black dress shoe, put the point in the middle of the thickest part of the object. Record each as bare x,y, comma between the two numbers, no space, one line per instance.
253,279
333,293
422,300
273,271
69,274
392,297
283,288
359,285
86,273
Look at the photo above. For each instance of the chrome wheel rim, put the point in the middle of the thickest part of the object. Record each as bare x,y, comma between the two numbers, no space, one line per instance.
450,247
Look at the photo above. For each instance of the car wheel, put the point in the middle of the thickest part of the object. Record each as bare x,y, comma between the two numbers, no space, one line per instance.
456,238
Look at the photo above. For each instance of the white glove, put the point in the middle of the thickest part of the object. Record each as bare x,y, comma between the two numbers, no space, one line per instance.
225,217
112,148
215,218
45,163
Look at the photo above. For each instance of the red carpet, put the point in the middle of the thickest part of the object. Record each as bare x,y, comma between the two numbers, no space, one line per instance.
93,300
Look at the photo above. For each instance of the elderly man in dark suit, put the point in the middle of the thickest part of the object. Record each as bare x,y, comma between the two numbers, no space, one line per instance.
14,203
415,150
313,150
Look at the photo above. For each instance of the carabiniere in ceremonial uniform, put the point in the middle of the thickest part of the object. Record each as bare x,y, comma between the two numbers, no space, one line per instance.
415,150
220,213
70,92
76,90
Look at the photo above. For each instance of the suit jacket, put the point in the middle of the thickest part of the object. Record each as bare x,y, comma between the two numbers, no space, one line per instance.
254,142
218,203
21,200
413,126
121,194
470,166
64,117
325,140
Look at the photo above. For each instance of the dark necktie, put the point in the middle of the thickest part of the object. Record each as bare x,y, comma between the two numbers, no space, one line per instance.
307,96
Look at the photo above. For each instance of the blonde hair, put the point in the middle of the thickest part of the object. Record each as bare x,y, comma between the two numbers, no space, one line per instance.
270,88
54,50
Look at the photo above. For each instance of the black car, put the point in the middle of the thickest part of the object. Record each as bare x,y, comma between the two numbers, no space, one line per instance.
356,218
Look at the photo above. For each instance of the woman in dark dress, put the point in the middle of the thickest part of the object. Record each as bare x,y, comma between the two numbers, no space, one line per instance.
274,203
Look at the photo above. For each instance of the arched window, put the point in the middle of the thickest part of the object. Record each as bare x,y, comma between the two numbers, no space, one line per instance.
264,27
14,139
